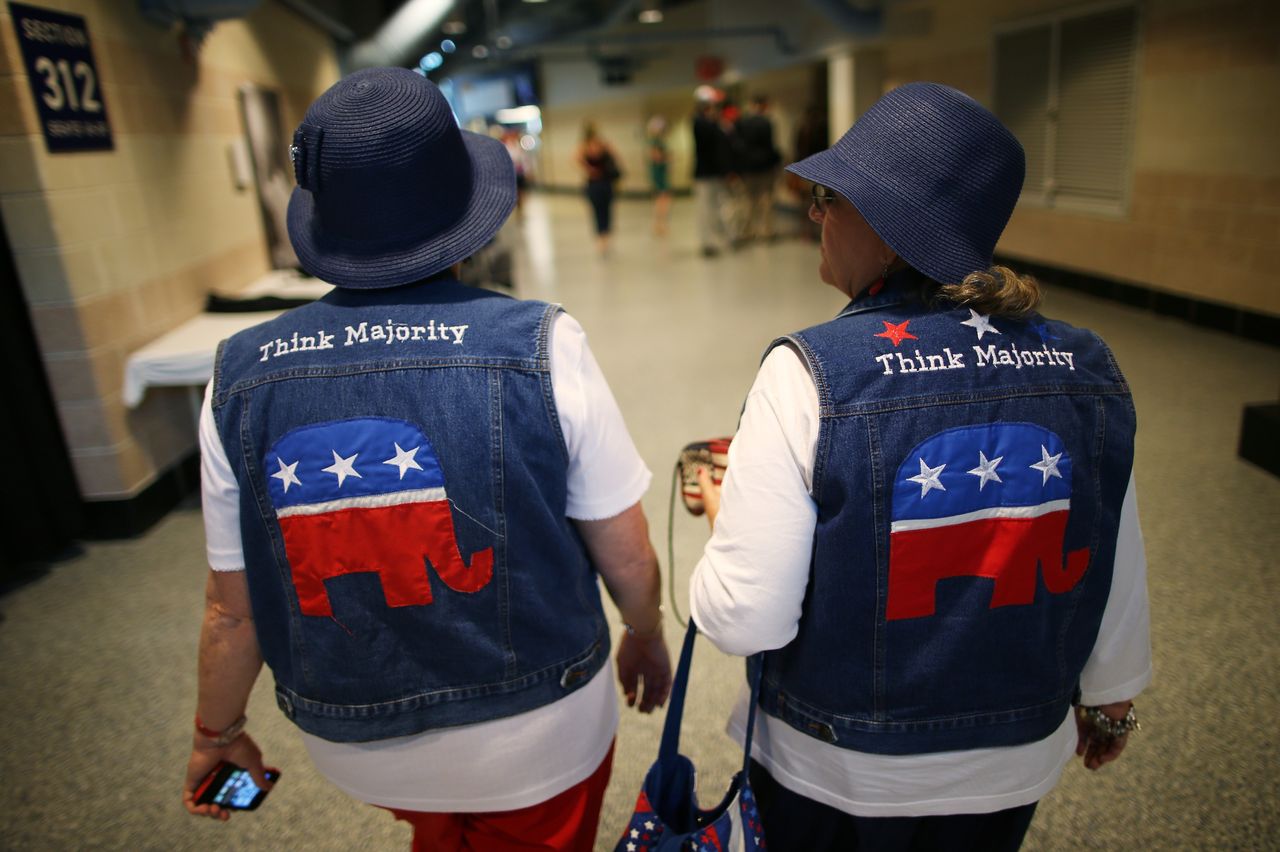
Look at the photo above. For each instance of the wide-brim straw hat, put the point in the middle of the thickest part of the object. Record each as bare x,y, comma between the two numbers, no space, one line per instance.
390,190
935,174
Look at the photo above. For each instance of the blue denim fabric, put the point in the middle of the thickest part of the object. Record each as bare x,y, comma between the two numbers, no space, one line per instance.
470,371
976,663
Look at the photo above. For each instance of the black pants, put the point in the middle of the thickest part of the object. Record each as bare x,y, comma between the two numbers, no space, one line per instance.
600,194
794,822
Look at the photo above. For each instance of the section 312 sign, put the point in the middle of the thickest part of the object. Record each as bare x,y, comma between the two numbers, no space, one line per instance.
64,79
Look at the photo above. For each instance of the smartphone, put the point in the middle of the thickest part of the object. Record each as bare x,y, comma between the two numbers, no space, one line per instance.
229,786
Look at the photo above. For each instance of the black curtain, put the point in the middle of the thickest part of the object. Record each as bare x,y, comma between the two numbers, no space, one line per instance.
42,510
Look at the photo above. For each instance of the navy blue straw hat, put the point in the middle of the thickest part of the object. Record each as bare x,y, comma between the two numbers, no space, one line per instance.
933,172
390,191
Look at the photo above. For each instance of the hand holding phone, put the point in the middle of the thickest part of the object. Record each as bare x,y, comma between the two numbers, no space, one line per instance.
232,787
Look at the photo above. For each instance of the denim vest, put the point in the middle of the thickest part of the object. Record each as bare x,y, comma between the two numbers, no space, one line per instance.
969,475
403,488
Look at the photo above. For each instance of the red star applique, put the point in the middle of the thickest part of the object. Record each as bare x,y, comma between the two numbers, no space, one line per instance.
896,333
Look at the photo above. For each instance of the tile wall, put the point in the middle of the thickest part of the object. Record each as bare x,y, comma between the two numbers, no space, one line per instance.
115,248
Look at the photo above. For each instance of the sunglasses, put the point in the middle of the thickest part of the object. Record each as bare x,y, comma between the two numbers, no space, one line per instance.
822,198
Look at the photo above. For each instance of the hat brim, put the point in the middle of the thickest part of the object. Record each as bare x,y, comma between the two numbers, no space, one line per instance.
354,264
936,247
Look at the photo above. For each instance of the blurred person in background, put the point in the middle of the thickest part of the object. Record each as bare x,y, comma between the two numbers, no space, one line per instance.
758,169
734,209
520,159
659,161
410,487
810,137
928,522
600,166
711,164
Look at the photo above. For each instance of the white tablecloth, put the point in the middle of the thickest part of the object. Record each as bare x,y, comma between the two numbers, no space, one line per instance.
184,356
284,283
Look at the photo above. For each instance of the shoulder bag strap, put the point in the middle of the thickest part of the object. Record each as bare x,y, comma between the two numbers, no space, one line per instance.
670,746
755,670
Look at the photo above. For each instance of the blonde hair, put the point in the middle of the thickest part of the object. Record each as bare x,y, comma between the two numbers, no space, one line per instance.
997,291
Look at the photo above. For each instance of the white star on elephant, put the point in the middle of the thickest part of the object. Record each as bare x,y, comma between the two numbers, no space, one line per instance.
404,460
286,474
928,478
1048,465
342,468
986,470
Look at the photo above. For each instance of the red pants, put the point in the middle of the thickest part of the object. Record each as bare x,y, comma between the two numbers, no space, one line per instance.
564,823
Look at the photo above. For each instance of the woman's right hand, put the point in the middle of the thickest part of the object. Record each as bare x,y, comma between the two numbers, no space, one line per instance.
710,495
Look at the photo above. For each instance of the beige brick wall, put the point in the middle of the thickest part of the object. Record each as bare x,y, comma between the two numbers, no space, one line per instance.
115,248
1203,218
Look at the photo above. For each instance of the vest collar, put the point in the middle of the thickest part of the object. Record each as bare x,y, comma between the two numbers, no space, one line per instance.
901,286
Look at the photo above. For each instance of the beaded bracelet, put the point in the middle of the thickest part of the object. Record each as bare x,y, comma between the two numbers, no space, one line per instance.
1108,728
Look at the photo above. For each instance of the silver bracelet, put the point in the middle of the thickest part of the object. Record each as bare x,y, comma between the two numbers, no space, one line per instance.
651,633
1108,728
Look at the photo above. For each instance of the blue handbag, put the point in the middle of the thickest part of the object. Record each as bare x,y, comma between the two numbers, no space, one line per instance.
667,817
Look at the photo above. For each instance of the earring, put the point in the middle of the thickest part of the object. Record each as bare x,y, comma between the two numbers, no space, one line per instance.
878,284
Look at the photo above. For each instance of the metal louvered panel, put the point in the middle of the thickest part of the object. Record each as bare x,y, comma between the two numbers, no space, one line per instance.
1094,105
1022,97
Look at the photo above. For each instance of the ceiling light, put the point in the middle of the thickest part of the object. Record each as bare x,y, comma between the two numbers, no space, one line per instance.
480,51
454,26
518,115
650,12
503,42
447,46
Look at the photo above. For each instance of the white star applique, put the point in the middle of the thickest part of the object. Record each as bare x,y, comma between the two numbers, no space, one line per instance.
928,478
1048,465
635,833
286,474
404,460
342,468
648,824
979,323
986,470
631,847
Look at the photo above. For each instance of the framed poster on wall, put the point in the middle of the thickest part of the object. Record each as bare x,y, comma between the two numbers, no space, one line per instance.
272,171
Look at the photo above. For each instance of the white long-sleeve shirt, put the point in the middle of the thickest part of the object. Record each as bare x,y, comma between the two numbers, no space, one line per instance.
746,595
507,763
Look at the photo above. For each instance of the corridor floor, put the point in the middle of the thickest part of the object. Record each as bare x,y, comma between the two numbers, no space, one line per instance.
97,652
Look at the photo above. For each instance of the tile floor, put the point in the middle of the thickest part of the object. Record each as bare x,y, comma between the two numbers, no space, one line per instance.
97,652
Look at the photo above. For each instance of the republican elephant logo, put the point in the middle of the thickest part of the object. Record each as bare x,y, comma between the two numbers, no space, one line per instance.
367,495
982,501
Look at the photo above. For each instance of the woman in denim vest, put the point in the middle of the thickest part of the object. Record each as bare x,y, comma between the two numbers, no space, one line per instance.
928,521
411,488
